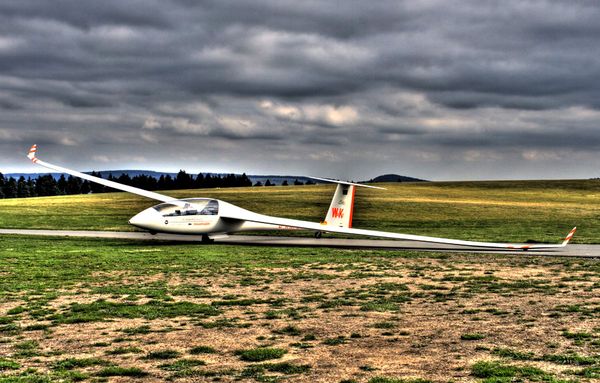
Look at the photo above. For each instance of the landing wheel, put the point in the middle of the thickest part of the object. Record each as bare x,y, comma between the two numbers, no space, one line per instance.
206,239
318,234
152,232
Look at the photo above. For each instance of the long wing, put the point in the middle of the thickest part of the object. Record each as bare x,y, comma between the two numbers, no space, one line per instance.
102,181
233,212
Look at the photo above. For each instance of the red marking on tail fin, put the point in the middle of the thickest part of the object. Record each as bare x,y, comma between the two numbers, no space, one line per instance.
337,212
351,205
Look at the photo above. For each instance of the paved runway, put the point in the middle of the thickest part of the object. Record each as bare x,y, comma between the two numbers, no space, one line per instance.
585,251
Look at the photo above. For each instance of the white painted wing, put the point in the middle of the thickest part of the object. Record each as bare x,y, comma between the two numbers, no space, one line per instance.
234,212
102,181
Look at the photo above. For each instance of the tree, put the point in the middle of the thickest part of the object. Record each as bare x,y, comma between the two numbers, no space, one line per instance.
95,187
62,184
209,181
123,179
85,187
183,180
22,188
73,186
298,183
31,186
46,186
244,180
10,188
165,182
258,183
268,183
199,181
284,183
144,182
2,185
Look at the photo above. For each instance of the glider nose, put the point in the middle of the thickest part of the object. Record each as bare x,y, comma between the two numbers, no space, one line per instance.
144,219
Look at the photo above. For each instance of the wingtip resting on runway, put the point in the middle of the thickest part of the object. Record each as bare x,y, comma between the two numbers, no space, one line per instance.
569,236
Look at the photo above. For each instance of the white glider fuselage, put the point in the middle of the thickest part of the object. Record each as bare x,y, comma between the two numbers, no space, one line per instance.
214,218
200,217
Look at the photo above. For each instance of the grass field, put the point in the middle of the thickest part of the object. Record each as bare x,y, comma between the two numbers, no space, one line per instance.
98,310
515,211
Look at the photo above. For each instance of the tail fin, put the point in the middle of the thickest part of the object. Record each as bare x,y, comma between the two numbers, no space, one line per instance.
341,207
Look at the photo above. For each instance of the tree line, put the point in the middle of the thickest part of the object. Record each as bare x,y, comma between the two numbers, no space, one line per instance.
47,185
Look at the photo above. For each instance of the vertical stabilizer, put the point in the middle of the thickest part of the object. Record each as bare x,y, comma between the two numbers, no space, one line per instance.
342,207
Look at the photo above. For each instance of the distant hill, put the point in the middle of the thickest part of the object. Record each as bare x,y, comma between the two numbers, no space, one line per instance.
395,178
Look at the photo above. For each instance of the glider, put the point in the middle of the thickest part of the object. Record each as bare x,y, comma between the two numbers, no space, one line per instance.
213,218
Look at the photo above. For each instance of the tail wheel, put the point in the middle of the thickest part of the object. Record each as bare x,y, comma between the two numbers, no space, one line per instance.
318,234
206,239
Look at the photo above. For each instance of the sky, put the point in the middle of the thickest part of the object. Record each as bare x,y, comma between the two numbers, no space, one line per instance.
441,90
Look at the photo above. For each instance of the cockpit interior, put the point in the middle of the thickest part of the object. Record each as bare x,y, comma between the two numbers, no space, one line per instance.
196,206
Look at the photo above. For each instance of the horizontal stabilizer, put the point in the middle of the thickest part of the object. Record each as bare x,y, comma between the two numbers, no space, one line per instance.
344,182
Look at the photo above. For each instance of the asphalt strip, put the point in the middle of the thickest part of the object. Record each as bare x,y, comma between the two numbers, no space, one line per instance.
572,250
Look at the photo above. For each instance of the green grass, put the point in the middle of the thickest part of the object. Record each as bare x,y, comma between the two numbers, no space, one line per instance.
260,354
133,372
498,372
72,363
182,365
7,364
124,350
202,350
286,368
144,329
472,336
514,211
379,379
163,354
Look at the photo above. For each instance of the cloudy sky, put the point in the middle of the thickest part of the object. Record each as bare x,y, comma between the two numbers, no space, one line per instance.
444,90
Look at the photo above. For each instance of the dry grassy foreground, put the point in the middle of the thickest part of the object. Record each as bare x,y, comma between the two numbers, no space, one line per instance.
121,311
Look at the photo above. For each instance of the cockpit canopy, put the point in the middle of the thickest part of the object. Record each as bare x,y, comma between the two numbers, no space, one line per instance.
196,206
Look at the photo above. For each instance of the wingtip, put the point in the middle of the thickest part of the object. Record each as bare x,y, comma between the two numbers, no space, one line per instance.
569,236
32,152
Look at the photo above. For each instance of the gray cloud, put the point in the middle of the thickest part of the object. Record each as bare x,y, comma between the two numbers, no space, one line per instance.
435,89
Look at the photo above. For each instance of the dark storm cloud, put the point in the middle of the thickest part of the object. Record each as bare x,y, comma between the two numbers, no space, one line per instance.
346,86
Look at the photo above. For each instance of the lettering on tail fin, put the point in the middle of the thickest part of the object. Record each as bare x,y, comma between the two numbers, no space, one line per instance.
337,212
